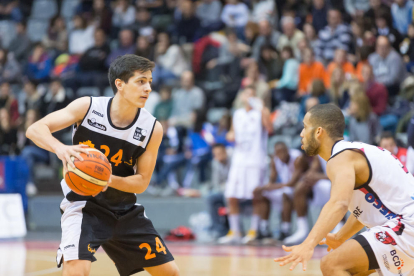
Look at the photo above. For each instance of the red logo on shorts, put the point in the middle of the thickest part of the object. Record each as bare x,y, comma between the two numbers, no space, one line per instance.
385,238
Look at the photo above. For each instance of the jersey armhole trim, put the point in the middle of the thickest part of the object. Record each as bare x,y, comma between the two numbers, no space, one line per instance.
86,114
152,131
369,165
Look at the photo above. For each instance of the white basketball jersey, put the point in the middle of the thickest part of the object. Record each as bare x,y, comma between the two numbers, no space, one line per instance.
251,139
389,191
285,170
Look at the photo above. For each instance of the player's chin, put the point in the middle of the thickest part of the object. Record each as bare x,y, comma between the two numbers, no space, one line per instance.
141,102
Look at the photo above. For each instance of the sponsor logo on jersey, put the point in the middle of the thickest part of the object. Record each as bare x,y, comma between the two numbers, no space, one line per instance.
385,259
385,238
377,203
398,262
412,196
68,246
357,212
140,134
97,113
92,250
92,122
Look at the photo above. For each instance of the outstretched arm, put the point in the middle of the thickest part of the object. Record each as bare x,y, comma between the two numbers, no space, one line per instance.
41,131
139,182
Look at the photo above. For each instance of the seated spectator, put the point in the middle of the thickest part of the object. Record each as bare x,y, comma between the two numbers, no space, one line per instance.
376,92
338,92
358,31
235,15
264,9
309,70
316,90
163,109
39,64
389,68
208,12
142,25
32,96
335,35
188,25
92,66
10,10
144,48
252,78
376,7
356,8
81,36
124,14
126,46
20,45
56,37
170,61
251,32
291,35
388,142
266,36
8,134
185,99
286,87
219,132
102,16
10,70
31,153
54,99
220,168
272,63
310,35
9,102
363,54
363,123
198,152
319,15
153,6
339,61
407,49
384,28
401,11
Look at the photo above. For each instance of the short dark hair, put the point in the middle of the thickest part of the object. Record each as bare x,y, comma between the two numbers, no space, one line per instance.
219,145
330,118
124,67
280,143
387,135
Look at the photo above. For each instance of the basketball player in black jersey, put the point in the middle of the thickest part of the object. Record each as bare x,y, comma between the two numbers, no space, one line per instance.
130,137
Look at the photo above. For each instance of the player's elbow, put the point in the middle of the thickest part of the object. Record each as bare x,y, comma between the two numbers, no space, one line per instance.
341,205
30,132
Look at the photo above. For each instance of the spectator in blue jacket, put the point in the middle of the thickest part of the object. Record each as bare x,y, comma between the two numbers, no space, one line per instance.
402,15
39,64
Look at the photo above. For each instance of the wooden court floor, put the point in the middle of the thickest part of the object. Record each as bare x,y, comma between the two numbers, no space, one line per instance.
38,258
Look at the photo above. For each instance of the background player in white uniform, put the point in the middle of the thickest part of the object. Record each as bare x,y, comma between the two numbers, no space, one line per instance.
314,184
130,137
286,168
250,129
375,187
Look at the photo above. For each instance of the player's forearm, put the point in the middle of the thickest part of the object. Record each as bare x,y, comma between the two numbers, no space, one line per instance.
351,227
40,135
131,184
331,214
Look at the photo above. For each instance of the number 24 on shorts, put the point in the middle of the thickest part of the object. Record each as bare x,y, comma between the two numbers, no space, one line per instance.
158,246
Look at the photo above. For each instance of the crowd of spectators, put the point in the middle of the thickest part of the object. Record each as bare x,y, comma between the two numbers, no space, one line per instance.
358,55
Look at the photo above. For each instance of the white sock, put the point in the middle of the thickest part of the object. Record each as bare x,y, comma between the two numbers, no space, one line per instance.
254,222
303,224
234,221
285,227
264,227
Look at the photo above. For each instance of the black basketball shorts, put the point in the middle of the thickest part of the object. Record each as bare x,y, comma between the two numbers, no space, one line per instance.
130,239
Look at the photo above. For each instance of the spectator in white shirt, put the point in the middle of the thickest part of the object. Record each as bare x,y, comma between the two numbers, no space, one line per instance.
124,14
235,15
81,38
291,35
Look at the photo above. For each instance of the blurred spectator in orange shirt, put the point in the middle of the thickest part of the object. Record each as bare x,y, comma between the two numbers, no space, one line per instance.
339,60
309,70
363,53
388,142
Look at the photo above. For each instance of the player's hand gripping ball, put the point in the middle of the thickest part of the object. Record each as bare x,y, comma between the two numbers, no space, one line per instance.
91,175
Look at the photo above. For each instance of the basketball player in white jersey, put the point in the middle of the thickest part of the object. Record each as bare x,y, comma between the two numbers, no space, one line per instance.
286,168
316,186
129,136
378,191
250,129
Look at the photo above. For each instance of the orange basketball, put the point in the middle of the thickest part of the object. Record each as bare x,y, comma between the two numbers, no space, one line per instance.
90,175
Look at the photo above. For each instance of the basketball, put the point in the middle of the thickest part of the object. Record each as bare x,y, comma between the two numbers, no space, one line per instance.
90,175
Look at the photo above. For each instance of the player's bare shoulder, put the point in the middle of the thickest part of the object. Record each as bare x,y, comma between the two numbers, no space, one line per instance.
79,107
156,137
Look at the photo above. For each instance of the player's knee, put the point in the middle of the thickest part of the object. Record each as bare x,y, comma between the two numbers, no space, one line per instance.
300,189
76,268
327,266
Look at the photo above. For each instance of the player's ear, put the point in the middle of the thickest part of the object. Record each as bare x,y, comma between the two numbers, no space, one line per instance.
119,84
